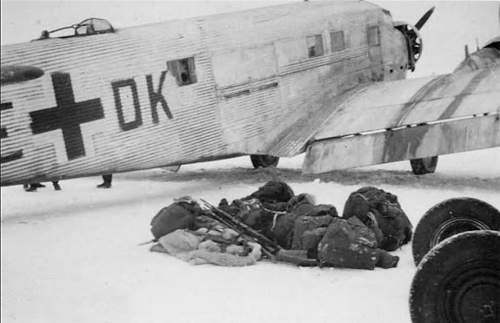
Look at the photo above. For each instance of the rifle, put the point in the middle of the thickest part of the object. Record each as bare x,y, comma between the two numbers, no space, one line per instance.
239,226
270,248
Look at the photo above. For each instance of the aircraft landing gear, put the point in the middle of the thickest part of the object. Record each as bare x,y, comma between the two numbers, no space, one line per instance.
423,166
264,161
458,274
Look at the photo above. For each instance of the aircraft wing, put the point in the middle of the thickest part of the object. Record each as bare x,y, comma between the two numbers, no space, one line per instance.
407,119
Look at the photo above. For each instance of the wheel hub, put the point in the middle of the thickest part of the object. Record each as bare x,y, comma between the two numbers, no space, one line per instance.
471,294
454,226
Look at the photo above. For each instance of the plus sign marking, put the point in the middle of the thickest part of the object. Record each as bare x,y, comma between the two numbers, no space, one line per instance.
68,115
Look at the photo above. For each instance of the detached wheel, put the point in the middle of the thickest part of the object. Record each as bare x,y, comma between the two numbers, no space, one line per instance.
451,217
423,166
264,161
459,281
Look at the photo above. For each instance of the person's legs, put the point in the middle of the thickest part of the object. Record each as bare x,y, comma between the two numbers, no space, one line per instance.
56,185
106,181
107,178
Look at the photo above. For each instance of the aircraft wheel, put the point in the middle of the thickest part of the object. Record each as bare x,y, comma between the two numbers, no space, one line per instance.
451,217
459,281
264,161
423,166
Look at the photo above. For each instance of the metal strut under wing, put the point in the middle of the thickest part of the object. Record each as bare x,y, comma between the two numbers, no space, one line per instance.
409,119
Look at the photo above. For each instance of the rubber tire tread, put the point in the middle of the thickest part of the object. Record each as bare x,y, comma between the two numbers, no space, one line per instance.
441,212
437,265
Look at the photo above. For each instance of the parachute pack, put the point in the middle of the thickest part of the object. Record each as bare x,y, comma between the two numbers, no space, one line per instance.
275,224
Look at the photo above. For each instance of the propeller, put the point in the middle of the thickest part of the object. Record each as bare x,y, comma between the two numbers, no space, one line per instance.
421,22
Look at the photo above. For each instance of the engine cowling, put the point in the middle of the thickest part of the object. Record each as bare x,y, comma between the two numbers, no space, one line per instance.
414,43
413,39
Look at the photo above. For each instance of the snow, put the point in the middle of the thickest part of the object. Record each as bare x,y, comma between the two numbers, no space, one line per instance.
74,255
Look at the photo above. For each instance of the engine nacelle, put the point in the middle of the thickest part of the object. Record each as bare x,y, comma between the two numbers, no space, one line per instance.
414,42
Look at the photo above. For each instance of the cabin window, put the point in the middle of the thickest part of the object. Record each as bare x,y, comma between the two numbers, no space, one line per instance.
337,39
373,36
315,45
183,70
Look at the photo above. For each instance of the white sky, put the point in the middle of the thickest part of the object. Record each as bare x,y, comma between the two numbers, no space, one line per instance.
453,24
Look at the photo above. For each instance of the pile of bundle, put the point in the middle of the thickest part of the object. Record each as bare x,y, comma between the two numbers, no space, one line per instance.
275,223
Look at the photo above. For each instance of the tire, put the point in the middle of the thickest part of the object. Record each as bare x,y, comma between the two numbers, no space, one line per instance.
451,217
264,161
422,166
459,281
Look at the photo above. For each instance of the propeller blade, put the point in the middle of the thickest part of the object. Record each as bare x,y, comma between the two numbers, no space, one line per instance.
420,23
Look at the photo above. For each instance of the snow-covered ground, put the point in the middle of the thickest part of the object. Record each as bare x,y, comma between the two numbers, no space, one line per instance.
73,255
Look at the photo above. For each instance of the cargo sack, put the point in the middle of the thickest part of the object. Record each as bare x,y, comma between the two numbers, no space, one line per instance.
311,239
178,215
249,211
348,244
232,208
304,224
395,226
300,200
272,192
377,208
315,210
357,205
280,229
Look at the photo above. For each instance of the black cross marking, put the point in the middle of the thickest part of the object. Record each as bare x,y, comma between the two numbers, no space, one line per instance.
68,115
4,134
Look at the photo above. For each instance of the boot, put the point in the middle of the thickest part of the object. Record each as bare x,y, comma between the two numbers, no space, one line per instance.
104,185
37,185
106,181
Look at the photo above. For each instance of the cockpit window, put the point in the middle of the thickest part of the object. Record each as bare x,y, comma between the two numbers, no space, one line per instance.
83,30
96,26
90,26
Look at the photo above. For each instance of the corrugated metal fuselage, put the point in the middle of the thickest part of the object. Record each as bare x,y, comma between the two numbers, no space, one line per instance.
119,101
